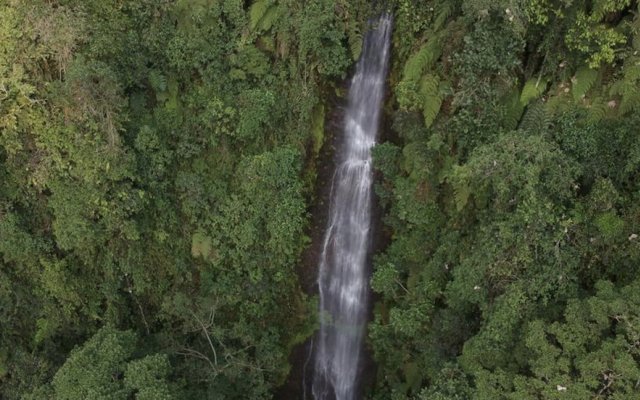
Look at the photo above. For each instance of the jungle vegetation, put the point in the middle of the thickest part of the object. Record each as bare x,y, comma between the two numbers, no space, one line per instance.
158,161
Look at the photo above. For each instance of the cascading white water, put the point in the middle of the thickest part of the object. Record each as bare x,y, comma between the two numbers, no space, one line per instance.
343,276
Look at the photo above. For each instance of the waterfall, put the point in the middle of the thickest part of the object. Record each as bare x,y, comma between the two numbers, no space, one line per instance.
343,276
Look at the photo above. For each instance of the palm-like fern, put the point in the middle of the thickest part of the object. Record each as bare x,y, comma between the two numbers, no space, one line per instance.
430,95
628,88
459,180
262,14
558,103
354,36
157,80
598,109
422,60
270,17
630,102
418,88
513,108
516,101
634,27
445,10
532,89
536,119
582,82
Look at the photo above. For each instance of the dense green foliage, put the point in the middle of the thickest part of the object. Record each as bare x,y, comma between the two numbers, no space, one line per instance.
511,193
156,162
158,158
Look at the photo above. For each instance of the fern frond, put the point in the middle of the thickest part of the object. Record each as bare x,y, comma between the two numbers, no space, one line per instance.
461,194
429,93
630,101
422,60
354,37
513,108
583,81
414,66
444,12
536,119
282,44
270,17
617,88
460,183
431,109
532,89
266,43
200,245
429,85
158,81
633,27
597,110
628,88
557,103
257,11
632,69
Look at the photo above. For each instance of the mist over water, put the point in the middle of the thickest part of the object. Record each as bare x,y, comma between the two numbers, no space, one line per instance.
343,276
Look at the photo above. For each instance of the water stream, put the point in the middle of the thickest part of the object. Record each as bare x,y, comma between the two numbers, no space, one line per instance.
343,272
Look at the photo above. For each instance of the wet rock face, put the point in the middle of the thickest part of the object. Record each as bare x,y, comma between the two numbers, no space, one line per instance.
343,271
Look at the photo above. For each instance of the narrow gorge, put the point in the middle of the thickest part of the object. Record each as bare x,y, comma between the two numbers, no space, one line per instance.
343,270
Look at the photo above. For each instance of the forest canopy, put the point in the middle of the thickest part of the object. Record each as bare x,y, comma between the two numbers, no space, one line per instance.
159,161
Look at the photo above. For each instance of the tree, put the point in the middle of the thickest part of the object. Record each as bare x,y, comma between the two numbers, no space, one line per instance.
105,368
